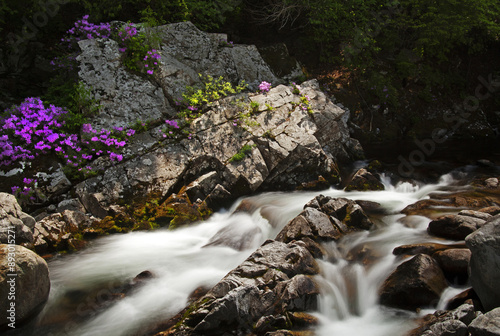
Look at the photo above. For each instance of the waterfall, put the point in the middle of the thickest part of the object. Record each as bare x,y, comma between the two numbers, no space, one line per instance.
184,259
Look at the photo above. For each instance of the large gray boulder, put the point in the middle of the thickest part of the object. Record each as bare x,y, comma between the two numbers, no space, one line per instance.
185,51
24,293
288,146
484,272
14,222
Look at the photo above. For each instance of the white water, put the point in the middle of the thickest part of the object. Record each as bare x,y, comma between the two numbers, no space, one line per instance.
181,264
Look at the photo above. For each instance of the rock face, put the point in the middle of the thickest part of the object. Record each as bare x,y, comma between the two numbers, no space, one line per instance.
14,222
414,284
484,272
257,295
124,97
185,52
31,287
288,146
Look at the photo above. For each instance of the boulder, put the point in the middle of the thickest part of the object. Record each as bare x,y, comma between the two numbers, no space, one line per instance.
72,204
416,283
257,295
187,51
491,210
56,232
453,262
448,328
363,180
476,214
348,212
325,218
297,151
455,227
491,183
484,272
24,284
487,324
15,225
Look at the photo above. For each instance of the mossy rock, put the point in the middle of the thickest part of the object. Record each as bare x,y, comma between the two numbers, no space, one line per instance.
363,180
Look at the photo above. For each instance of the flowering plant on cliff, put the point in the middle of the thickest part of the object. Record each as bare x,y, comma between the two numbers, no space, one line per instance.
33,129
83,29
264,86
138,54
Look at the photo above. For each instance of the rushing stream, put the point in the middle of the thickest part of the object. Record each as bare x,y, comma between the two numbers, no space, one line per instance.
82,283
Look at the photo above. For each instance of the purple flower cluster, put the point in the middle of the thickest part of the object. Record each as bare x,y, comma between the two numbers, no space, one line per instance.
102,141
264,86
172,125
30,131
83,29
33,129
125,35
151,61
27,192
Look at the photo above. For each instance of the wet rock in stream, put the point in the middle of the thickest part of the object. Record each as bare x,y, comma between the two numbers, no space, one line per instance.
416,283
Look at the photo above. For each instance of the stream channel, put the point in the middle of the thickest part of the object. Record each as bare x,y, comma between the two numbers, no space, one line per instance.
81,300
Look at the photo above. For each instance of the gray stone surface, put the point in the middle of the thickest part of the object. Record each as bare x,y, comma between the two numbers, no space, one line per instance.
187,52
124,97
291,155
484,270
487,324
14,222
32,283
